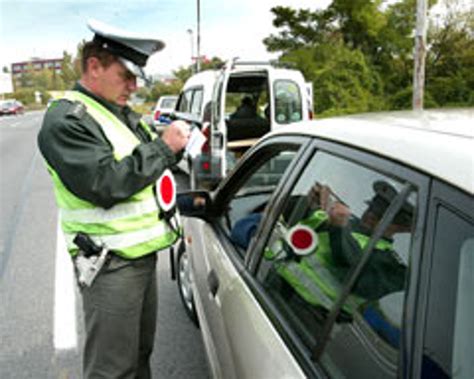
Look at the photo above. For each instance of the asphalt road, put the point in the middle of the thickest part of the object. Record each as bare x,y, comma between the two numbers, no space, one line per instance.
41,329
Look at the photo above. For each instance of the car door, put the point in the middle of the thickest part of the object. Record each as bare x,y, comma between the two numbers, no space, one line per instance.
218,135
238,336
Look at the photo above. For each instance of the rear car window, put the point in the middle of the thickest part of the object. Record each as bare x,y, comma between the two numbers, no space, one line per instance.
288,102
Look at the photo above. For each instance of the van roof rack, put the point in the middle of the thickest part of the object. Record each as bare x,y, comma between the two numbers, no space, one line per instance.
274,63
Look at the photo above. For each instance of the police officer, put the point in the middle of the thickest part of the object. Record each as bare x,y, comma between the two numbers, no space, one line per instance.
104,162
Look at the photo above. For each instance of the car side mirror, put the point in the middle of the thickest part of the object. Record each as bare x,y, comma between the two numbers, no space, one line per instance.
194,203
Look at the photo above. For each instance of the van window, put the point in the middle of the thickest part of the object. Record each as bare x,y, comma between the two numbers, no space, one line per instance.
196,104
185,101
320,236
246,100
288,103
191,101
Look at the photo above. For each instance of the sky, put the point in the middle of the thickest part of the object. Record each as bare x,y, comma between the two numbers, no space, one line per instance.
229,28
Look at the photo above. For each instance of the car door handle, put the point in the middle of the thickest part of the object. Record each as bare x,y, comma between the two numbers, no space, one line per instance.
213,282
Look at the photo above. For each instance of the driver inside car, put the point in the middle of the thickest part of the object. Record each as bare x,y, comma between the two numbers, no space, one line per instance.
315,255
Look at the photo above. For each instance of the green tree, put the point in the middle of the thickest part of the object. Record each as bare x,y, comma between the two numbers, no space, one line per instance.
160,89
69,69
450,59
183,73
343,81
42,80
299,28
359,54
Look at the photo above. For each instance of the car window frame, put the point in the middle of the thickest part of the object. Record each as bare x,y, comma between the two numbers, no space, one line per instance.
226,188
230,185
370,160
454,200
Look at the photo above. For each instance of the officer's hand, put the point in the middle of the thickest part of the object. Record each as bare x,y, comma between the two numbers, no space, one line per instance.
176,135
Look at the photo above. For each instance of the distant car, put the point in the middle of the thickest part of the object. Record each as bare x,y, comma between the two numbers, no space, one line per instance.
285,285
11,107
163,109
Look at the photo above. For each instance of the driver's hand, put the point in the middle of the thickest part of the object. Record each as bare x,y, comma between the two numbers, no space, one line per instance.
339,214
319,196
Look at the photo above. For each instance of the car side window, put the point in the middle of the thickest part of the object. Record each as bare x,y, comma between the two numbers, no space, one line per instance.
325,228
245,208
449,337
288,103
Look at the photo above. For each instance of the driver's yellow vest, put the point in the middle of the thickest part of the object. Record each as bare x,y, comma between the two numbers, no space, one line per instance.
131,228
311,276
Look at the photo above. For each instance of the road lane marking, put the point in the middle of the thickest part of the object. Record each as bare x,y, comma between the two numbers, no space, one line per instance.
65,329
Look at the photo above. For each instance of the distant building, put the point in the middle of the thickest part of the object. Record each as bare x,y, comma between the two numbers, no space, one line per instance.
36,64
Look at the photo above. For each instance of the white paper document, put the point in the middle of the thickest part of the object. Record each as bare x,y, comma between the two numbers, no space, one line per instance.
196,140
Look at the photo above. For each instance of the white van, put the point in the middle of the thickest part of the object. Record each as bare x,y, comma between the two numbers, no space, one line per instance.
236,105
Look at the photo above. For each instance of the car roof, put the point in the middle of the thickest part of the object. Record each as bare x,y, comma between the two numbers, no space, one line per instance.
208,77
168,97
437,142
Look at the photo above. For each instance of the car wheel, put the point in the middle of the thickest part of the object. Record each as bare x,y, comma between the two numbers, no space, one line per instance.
185,285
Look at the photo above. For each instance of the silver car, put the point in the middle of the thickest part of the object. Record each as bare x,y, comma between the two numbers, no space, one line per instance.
339,248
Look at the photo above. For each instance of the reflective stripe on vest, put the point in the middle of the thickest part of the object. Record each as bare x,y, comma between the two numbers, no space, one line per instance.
131,228
311,279
121,138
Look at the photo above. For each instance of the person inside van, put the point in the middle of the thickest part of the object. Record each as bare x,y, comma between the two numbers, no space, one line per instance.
246,109
245,122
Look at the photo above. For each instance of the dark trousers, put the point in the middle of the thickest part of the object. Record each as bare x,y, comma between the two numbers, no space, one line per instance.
120,310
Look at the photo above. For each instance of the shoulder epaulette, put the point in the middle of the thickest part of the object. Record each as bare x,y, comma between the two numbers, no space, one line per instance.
77,110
